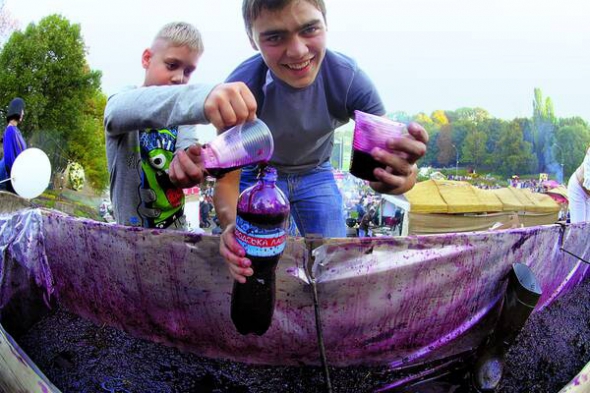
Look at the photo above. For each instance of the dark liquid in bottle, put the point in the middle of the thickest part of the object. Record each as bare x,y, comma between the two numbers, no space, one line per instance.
253,303
362,165
264,220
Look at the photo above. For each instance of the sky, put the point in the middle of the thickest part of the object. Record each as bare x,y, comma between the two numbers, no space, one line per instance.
422,55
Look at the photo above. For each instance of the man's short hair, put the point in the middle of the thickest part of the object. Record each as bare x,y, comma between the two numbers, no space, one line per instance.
251,9
181,34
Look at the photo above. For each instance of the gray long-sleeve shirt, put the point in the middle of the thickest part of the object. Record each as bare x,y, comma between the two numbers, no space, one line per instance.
144,108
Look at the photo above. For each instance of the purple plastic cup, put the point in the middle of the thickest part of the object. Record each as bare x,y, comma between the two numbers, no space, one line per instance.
245,144
371,131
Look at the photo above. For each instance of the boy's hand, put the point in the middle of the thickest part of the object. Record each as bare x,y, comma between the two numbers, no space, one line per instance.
187,169
400,174
233,253
229,104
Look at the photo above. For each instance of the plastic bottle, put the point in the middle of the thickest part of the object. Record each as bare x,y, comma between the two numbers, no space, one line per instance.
262,214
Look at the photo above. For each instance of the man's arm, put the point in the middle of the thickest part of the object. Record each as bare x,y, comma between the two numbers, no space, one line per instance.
225,199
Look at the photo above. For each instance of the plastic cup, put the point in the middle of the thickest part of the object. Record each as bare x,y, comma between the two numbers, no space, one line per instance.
245,144
371,131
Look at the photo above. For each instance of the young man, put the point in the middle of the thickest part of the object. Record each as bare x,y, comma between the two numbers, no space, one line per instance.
13,141
304,92
150,133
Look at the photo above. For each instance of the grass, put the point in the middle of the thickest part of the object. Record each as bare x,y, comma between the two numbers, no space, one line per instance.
71,202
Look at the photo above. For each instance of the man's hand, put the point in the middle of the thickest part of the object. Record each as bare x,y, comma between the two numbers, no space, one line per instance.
233,253
400,174
229,104
187,169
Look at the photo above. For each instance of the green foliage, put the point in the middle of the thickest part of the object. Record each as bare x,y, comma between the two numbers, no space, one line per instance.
513,155
446,150
432,151
474,146
569,148
93,159
439,118
46,66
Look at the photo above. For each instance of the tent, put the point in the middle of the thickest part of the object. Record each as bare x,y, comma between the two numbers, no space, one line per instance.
439,206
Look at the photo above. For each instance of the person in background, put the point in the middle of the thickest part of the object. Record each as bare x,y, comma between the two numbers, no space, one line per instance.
304,92
13,141
578,191
205,209
360,208
366,223
151,140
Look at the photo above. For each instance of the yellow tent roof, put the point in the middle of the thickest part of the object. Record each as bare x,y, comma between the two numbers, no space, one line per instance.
491,200
545,203
535,202
529,205
508,199
446,196
459,196
425,198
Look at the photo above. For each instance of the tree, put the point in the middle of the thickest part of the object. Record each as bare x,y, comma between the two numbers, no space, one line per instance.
474,146
512,154
474,115
570,144
446,149
46,66
439,118
492,128
424,120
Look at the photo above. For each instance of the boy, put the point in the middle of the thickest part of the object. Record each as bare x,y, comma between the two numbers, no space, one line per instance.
304,92
150,133
13,141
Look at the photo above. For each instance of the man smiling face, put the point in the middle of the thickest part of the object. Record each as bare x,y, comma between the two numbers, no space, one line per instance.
292,42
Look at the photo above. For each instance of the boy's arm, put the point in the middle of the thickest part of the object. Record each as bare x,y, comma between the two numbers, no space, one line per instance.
226,105
187,136
156,107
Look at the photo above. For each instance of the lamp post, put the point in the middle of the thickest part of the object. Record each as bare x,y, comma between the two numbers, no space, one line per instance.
456,161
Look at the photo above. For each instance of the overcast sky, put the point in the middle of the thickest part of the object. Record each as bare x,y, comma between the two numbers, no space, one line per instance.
423,55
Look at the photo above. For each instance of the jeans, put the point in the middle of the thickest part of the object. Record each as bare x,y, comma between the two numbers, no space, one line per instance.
316,202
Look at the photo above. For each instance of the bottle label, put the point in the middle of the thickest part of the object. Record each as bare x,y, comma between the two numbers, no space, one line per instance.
259,242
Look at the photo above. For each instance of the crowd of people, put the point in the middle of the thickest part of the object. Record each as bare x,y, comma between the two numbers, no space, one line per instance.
301,89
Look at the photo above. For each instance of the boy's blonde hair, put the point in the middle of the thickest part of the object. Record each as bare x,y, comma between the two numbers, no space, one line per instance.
181,34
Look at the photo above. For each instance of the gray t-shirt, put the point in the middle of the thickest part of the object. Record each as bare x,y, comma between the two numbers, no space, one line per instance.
132,111
302,121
